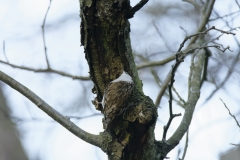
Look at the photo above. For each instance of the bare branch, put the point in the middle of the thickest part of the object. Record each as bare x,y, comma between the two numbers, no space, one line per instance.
136,8
17,119
164,40
165,128
227,15
186,146
4,51
43,34
182,54
158,81
64,121
231,113
193,98
202,33
233,64
48,70
156,63
162,62
194,3
206,12
237,3
183,30
178,95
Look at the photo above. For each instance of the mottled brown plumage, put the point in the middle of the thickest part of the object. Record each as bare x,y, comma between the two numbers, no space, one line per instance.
116,96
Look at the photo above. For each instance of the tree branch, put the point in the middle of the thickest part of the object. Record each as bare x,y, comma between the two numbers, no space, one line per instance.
64,121
4,49
185,148
43,34
231,113
227,15
156,63
183,54
194,3
233,64
49,70
206,12
237,3
193,98
136,8
165,128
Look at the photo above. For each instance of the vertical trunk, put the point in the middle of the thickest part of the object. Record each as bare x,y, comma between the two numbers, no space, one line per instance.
105,37
10,146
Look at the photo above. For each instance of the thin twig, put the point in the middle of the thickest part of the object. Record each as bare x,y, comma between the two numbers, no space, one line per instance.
194,3
223,64
233,64
227,15
206,12
48,70
230,113
64,121
202,33
178,95
237,3
158,81
191,103
4,51
16,119
165,128
182,54
156,63
184,30
160,35
43,34
218,37
186,146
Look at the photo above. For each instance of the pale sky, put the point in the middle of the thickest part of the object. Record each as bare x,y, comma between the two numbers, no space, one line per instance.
211,130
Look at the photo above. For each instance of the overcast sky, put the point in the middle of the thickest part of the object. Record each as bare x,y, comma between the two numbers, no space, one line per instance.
211,130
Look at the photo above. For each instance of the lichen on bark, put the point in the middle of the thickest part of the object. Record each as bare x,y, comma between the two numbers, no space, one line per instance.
105,36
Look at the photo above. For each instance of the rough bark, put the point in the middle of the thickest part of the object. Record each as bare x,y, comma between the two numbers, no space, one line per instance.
105,37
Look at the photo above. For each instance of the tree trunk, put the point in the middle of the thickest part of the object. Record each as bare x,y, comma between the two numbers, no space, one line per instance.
105,36
10,145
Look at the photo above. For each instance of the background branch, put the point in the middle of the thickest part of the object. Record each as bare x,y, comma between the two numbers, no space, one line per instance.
63,120
43,34
47,70
183,54
4,51
231,113
186,146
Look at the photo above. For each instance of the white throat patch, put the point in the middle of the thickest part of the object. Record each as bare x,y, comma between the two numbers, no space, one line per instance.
124,77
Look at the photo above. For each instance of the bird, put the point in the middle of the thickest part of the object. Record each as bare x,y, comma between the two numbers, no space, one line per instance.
116,96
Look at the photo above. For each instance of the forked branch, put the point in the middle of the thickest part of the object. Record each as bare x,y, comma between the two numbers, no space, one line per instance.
182,54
